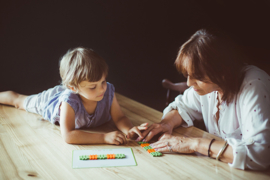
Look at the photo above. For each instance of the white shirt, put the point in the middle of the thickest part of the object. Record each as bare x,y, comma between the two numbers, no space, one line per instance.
244,124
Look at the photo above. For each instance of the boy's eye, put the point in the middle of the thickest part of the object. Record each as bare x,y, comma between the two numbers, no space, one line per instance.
93,88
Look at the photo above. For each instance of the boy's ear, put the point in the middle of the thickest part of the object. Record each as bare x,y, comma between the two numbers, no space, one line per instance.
72,89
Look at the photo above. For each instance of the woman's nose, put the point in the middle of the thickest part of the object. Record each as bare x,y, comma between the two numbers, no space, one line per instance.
190,81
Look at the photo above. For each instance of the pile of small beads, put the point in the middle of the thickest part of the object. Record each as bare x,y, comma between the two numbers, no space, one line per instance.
102,156
149,149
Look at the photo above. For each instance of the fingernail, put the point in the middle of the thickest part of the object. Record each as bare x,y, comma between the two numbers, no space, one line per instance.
137,139
143,140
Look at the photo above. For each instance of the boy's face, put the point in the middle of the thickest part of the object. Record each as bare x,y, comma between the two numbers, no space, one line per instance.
93,91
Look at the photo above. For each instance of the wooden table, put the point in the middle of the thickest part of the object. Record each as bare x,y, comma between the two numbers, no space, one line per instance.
33,148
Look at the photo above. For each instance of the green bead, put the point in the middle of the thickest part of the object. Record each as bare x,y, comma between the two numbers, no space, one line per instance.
147,147
86,157
83,157
156,154
140,142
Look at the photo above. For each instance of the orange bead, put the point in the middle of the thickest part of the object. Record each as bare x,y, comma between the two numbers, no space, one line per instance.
109,156
146,144
151,150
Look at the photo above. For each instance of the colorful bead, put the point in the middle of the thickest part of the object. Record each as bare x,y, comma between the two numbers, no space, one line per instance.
149,149
102,156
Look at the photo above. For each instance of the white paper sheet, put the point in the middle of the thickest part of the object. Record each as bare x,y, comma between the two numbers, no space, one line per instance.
129,160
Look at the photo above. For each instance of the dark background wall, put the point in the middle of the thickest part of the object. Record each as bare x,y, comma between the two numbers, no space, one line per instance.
138,39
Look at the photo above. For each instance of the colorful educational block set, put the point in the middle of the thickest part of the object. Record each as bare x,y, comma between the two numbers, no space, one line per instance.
149,149
102,156
144,145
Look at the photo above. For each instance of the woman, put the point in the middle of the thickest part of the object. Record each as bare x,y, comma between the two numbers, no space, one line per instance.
231,97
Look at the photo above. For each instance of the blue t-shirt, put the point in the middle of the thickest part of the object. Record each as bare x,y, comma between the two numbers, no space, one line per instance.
82,118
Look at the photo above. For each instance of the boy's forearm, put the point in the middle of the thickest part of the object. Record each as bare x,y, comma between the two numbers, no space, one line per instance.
124,124
81,137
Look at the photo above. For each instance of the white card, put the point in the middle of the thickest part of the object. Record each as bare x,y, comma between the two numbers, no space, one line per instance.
129,160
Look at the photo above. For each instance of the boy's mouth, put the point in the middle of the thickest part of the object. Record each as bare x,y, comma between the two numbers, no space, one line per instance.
101,95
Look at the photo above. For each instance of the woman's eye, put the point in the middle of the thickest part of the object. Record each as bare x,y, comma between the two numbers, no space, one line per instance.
93,88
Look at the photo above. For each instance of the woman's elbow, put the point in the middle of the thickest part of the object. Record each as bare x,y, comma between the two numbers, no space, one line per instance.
257,167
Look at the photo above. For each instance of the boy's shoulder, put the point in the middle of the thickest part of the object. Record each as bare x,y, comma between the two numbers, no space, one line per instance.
110,88
68,95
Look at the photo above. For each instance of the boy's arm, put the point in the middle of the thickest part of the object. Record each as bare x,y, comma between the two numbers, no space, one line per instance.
72,136
120,120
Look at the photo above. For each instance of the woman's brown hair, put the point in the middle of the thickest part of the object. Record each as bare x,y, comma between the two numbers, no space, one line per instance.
215,55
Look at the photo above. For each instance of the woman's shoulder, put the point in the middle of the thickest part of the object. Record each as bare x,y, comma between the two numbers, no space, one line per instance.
256,82
254,73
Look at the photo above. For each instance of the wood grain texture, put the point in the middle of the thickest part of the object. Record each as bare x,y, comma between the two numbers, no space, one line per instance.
32,148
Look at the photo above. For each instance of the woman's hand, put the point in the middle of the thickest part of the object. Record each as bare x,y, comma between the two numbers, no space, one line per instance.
155,129
170,121
115,137
136,131
169,143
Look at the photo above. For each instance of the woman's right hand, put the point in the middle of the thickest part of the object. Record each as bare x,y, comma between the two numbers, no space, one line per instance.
115,137
155,129
170,121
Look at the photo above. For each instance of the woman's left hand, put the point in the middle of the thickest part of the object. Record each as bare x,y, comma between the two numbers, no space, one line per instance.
136,131
169,143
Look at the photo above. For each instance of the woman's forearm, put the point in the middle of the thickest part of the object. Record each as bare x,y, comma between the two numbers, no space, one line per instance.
173,119
203,145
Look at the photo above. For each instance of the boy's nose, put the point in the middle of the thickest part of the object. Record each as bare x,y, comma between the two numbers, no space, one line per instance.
102,88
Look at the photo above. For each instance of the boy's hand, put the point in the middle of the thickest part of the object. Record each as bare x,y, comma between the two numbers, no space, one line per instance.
115,137
136,131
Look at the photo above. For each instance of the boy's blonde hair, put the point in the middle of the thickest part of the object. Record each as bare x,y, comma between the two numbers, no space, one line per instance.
81,64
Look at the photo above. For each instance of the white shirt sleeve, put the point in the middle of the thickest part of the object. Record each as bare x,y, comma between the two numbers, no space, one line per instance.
188,106
253,151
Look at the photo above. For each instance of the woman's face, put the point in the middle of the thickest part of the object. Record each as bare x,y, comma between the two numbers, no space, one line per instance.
202,87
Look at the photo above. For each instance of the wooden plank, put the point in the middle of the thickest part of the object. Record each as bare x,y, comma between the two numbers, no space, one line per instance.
13,163
33,148
138,108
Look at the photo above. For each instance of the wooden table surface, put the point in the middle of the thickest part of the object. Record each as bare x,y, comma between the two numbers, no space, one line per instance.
32,148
